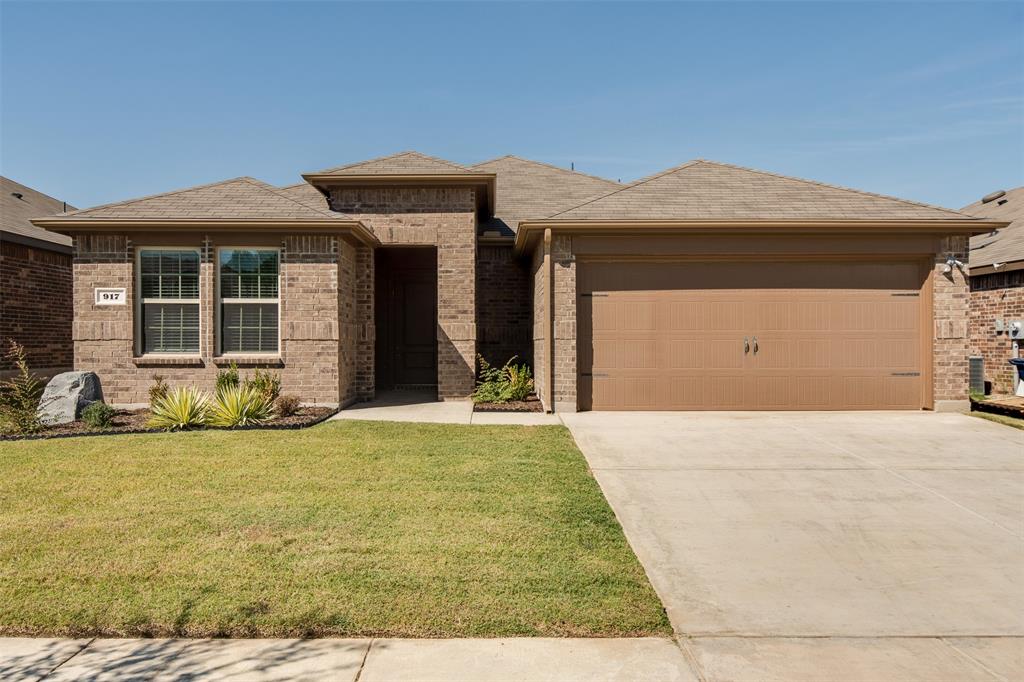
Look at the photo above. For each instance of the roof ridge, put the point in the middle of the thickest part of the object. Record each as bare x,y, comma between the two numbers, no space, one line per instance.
406,152
547,165
832,186
637,183
159,194
267,187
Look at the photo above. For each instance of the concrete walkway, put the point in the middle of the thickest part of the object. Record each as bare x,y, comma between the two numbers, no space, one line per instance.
811,546
414,406
345,660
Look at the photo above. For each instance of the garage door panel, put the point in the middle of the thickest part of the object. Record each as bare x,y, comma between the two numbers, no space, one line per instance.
835,335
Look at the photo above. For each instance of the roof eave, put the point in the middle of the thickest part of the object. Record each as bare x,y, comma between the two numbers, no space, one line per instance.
990,268
71,225
34,242
529,230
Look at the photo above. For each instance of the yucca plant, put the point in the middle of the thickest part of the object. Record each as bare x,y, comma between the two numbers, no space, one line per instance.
240,406
185,407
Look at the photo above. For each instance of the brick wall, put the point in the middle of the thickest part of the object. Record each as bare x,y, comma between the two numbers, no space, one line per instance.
35,306
999,295
310,317
564,285
504,319
951,343
444,217
319,322
541,372
950,304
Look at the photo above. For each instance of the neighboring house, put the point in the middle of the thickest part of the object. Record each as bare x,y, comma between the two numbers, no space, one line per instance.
35,281
706,286
997,284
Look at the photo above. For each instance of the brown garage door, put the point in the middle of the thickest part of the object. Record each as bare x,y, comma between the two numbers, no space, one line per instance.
794,335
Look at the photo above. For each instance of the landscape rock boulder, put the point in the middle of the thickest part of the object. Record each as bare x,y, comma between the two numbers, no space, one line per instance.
66,395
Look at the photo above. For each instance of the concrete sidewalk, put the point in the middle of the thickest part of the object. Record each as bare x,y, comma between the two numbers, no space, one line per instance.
344,660
414,406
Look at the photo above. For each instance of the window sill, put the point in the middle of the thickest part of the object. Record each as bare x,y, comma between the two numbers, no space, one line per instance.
249,359
158,360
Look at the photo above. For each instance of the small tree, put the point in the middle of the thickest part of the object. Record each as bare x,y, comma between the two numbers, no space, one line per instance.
19,395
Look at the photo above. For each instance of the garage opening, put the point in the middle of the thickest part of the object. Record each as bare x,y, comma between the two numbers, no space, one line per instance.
779,335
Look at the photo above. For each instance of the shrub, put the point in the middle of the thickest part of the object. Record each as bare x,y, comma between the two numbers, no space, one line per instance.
182,408
266,382
239,406
287,405
19,395
158,390
502,384
228,378
99,415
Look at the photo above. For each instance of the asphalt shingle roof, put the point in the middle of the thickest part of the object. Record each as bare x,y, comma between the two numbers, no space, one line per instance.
708,190
239,198
402,163
1005,245
16,212
531,189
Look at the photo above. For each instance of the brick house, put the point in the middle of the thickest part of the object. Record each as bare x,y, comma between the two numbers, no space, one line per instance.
35,281
706,286
997,285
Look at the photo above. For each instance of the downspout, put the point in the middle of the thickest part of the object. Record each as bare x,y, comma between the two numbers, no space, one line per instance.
549,334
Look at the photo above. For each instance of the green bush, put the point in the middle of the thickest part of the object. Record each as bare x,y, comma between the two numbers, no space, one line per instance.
502,384
239,406
228,378
287,405
99,415
19,395
182,408
265,382
158,390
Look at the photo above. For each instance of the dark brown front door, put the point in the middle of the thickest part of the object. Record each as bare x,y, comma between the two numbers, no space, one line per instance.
406,317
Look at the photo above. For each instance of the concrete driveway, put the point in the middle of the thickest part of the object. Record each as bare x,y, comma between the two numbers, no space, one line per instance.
855,546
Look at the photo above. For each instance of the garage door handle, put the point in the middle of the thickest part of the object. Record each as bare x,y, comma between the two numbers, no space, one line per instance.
746,345
755,345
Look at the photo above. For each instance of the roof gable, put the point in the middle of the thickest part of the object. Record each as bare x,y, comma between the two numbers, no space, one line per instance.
402,163
531,189
708,190
239,198
1005,245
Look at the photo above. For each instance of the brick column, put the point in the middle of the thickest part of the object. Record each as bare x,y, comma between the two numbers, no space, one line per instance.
309,317
102,335
952,344
564,285
456,306
365,330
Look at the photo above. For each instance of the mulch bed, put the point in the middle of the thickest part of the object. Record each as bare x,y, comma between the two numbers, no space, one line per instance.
134,421
531,404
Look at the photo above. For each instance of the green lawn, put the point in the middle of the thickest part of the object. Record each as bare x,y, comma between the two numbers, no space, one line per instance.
348,528
1000,419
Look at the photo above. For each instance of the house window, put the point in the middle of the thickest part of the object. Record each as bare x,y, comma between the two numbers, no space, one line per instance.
169,300
249,300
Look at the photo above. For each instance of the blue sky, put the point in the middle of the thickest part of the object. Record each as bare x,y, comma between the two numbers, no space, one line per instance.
108,101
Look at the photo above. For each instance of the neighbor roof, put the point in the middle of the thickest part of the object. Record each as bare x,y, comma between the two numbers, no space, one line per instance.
238,198
708,190
17,211
402,163
1005,245
531,189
